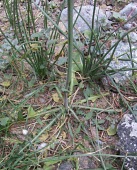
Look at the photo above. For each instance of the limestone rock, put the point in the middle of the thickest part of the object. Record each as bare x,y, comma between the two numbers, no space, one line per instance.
65,166
120,61
129,10
84,163
127,132
86,13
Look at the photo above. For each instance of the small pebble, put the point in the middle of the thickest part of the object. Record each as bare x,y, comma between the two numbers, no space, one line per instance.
41,146
25,132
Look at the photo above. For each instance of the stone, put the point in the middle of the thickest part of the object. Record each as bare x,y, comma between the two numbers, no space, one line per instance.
83,161
120,57
3,64
122,51
129,10
65,166
41,146
108,14
127,132
87,13
128,26
132,37
91,2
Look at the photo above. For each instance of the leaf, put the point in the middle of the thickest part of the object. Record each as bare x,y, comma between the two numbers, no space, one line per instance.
31,112
7,76
15,42
43,137
93,98
11,140
112,130
20,116
48,164
4,121
100,127
80,45
77,62
51,42
64,135
59,49
70,130
62,60
77,131
88,92
3,98
53,5
6,46
39,121
5,84
74,82
31,83
87,34
101,121
34,47
81,85
37,35
116,15
89,115
62,43
55,97
64,90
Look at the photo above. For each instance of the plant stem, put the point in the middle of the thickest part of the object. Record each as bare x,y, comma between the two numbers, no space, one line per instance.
70,50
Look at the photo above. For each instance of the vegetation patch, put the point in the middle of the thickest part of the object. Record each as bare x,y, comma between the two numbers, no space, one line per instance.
60,104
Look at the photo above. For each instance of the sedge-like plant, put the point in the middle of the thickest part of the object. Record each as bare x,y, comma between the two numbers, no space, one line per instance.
95,62
34,47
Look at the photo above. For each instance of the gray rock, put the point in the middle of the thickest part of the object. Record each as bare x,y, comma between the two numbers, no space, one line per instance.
65,166
3,64
87,13
129,10
128,26
132,37
84,163
91,2
108,14
127,132
37,1
123,53
123,50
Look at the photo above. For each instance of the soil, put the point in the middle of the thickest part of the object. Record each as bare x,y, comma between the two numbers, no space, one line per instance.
20,90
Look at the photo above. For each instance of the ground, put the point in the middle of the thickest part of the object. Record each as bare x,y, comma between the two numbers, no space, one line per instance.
35,105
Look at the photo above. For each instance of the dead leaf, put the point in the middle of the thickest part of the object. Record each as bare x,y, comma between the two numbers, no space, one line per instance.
43,137
34,47
3,98
5,84
63,134
55,97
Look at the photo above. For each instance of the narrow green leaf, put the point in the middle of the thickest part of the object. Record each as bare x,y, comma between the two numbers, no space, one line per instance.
31,112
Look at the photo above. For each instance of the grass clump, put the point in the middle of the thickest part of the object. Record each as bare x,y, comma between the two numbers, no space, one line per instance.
35,47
